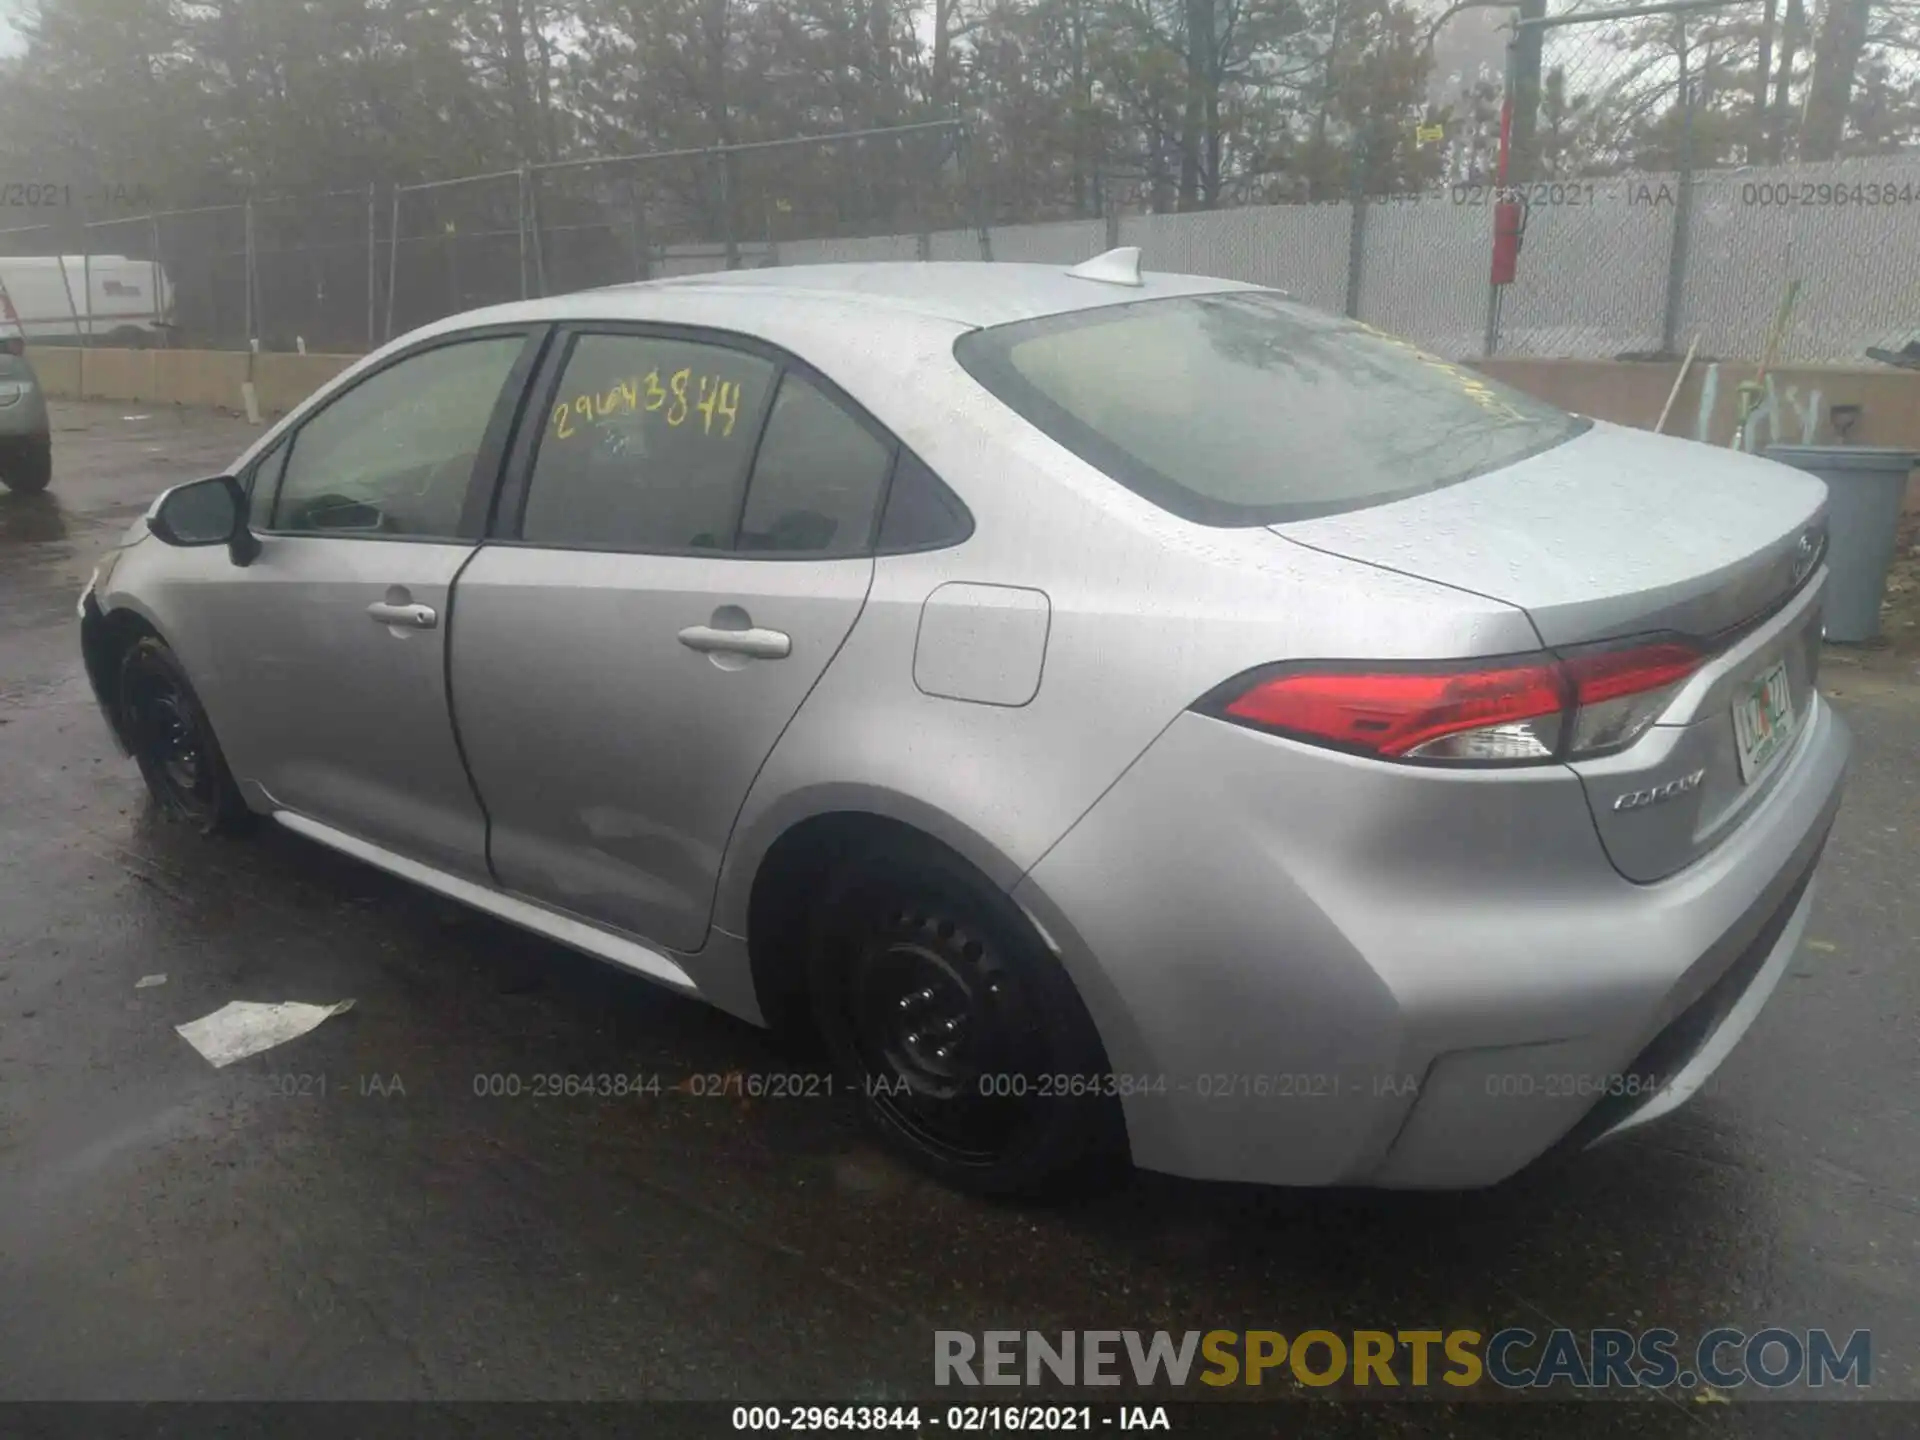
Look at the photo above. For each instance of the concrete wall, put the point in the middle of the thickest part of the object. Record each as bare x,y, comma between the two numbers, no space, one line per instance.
58,369
283,381
1796,402
183,377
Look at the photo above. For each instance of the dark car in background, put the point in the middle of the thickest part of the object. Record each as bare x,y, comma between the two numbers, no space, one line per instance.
26,438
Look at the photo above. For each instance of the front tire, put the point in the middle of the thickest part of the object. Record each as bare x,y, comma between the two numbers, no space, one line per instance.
28,470
174,743
964,1041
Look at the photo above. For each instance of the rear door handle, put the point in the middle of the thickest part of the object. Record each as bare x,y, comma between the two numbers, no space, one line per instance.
419,617
760,644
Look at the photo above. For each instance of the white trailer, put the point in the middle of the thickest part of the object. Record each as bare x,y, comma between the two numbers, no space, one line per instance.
111,299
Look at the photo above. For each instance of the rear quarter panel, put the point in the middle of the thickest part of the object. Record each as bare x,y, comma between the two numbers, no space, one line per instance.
1147,613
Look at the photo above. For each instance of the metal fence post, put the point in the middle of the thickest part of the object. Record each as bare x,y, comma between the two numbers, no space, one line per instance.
373,265
1683,204
1356,227
642,249
252,299
520,226
536,233
66,284
86,278
1491,340
154,266
393,263
976,201
729,240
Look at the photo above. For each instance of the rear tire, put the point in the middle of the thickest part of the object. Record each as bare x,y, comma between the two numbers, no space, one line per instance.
29,469
963,1040
174,743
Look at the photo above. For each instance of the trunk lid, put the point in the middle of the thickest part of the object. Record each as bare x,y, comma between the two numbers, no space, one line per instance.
1615,532
1619,533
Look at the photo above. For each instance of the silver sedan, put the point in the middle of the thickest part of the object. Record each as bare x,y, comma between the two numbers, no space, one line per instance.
1124,715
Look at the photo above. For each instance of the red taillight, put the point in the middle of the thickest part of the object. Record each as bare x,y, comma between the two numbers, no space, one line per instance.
1620,690
1609,674
1512,710
1394,712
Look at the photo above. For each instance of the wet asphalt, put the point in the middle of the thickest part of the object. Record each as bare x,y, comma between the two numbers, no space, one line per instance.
348,1216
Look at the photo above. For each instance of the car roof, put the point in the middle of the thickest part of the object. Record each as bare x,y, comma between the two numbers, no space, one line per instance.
970,295
966,292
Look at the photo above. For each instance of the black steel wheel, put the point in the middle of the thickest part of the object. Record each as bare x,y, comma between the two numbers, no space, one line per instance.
963,1038
174,743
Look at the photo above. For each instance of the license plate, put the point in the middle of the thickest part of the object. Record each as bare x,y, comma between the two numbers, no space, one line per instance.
1763,721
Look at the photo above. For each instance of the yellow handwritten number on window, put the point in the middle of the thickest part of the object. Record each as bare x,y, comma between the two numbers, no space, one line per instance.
718,402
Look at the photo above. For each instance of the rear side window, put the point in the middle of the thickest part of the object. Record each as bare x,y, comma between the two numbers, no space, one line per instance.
817,479
1248,409
646,445
922,513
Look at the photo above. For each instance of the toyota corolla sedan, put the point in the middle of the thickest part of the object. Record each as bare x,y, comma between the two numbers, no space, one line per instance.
1123,714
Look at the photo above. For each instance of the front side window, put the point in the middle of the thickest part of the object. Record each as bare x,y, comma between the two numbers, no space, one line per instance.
394,456
1244,408
646,445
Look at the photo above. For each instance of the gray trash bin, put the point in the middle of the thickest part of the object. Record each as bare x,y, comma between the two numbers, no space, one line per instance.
1866,488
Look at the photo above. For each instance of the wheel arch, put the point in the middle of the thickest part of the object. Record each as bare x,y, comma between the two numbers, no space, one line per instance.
105,638
772,874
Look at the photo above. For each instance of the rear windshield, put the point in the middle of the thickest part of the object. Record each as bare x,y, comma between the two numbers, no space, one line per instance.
1245,408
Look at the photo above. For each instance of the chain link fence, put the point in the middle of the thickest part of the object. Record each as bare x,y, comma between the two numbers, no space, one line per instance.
315,263
1644,164
455,245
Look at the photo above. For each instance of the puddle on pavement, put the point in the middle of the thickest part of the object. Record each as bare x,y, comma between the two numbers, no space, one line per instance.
31,520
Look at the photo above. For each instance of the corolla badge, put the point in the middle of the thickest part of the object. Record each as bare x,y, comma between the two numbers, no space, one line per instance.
1653,795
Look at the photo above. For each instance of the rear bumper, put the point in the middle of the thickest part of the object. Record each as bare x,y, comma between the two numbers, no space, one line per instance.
1314,969
23,433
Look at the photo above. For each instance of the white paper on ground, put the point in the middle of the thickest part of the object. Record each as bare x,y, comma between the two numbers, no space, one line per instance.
245,1027
146,981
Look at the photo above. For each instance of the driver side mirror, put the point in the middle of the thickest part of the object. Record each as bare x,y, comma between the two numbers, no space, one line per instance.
205,512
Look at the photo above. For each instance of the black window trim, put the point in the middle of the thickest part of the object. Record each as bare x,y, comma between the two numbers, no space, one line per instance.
487,465
281,446
507,514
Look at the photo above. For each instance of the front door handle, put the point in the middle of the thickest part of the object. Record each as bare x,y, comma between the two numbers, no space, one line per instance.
418,617
759,644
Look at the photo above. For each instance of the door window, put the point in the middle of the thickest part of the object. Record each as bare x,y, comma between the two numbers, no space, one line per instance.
922,513
394,456
817,479
646,445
